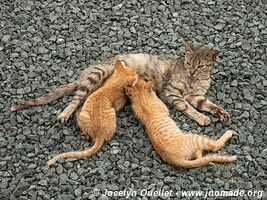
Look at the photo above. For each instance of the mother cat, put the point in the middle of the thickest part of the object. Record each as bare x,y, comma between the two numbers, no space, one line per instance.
181,83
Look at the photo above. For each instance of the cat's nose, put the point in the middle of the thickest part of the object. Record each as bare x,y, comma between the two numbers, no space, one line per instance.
191,72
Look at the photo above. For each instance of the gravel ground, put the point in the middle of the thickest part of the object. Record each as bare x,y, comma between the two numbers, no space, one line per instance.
44,45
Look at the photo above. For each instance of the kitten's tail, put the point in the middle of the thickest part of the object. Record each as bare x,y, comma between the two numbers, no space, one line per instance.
204,161
78,154
57,93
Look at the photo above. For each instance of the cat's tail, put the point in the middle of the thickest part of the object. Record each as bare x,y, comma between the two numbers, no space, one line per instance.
47,98
204,161
78,154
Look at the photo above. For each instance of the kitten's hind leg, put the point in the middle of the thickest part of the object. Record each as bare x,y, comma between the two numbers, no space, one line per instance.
203,161
215,145
223,139
197,154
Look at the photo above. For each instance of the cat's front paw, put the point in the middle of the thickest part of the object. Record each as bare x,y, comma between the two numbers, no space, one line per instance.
85,137
62,118
203,120
222,114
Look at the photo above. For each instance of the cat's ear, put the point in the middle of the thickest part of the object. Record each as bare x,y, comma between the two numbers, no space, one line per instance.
213,54
133,81
189,47
128,90
119,65
150,85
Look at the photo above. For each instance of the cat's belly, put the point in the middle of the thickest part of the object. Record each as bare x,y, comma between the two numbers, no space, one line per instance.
149,67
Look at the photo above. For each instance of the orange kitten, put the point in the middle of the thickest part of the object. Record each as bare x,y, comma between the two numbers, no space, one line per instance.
97,118
174,146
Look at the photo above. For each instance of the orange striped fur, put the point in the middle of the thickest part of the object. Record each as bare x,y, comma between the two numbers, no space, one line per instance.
97,118
174,146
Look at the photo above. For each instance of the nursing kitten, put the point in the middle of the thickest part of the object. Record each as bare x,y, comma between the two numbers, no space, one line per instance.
182,83
174,146
97,118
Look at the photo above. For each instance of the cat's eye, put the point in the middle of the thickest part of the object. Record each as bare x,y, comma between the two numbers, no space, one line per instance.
187,63
201,66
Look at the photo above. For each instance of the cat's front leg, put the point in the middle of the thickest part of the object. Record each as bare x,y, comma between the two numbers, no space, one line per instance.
179,103
201,103
119,103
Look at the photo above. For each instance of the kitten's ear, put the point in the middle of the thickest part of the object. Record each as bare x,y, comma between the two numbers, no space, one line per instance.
150,85
119,65
213,54
133,81
128,90
189,47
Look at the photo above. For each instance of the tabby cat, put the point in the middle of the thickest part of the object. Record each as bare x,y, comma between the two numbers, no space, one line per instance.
97,118
181,83
174,146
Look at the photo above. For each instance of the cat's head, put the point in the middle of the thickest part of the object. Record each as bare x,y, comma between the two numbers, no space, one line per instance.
125,73
143,95
199,60
141,87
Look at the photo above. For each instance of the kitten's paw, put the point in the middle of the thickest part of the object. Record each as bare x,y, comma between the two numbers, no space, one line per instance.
203,120
62,118
232,158
85,137
222,114
228,134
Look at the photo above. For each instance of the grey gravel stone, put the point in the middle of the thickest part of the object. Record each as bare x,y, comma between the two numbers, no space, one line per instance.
115,150
219,26
6,38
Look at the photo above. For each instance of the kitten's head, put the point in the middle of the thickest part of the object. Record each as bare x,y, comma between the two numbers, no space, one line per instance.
142,95
125,73
199,60
141,87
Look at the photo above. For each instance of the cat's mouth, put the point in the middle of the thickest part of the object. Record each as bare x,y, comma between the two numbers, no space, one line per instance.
191,74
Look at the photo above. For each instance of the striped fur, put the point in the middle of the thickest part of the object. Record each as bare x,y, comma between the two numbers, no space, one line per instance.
174,146
179,82
97,118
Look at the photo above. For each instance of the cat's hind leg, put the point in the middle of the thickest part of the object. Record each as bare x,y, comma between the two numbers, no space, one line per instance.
90,80
197,154
223,139
214,145
80,94
108,125
203,161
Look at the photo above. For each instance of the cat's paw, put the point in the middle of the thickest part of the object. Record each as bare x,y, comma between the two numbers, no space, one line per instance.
222,114
203,120
62,118
232,158
14,108
85,136
228,134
